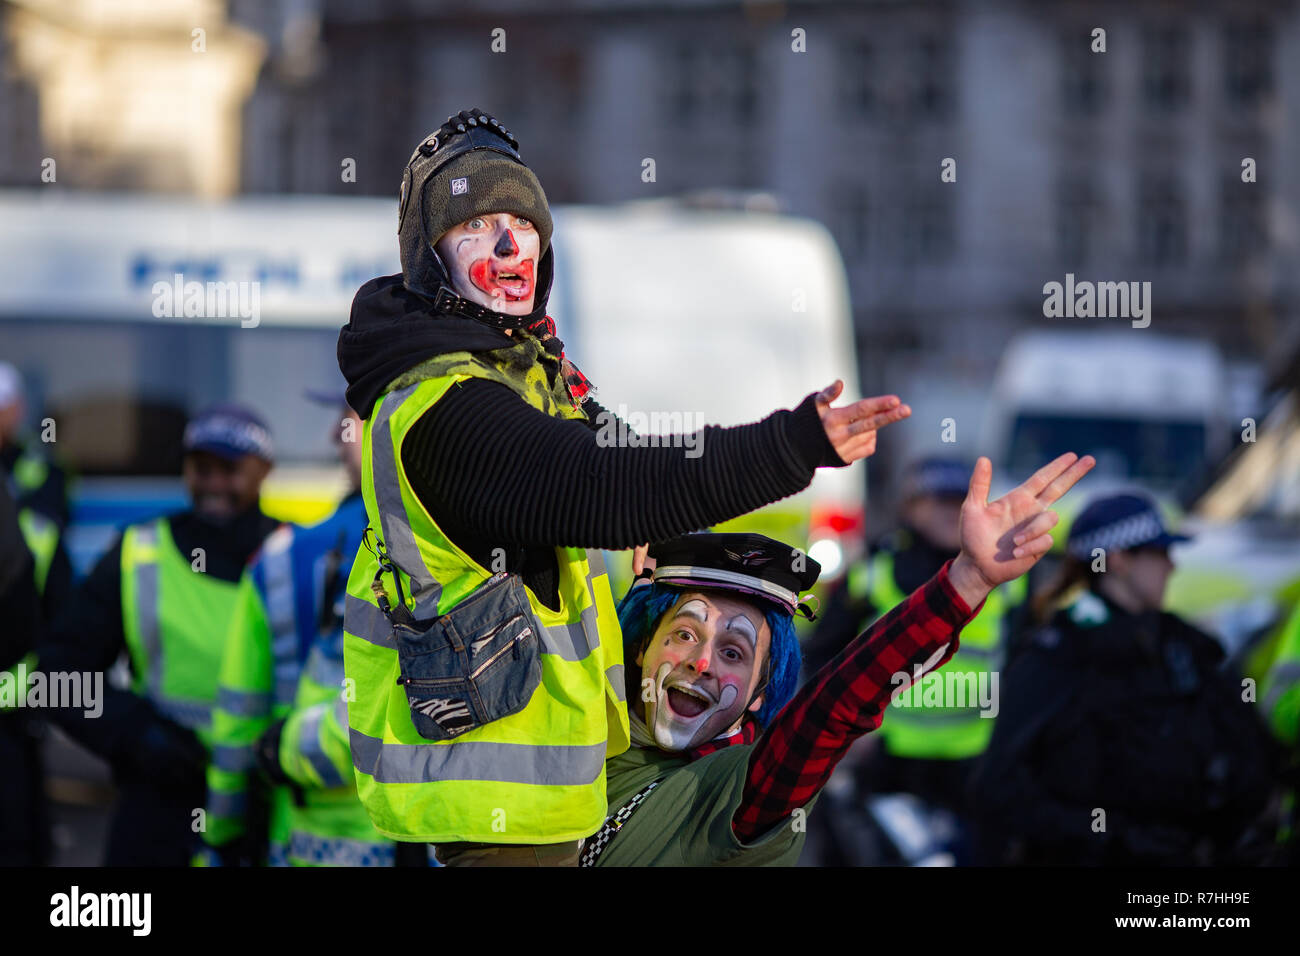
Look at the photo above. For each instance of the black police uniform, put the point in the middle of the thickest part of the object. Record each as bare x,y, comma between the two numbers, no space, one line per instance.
1122,721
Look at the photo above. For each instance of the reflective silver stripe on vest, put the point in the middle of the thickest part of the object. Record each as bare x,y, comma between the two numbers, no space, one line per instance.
286,688
1283,678
477,760
243,703
338,851
229,805
188,713
617,680
397,536
324,669
362,619
281,614
233,759
309,746
569,642
576,640
146,607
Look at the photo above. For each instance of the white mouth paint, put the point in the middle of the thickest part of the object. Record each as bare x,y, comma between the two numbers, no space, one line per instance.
672,731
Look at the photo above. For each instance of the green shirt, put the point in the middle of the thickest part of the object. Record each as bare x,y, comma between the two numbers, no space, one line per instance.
686,820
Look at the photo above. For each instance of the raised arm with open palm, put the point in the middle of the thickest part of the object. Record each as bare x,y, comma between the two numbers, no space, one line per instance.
1002,539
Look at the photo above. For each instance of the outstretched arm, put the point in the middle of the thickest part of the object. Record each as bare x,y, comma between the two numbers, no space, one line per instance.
847,698
484,462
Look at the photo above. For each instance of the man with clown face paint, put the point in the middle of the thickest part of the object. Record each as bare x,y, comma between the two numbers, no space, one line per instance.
486,482
726,758
701,668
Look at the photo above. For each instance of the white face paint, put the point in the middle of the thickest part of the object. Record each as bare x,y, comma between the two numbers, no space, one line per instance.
492,260
705,659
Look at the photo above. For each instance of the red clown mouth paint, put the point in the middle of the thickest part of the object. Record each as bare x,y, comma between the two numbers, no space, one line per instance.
496,277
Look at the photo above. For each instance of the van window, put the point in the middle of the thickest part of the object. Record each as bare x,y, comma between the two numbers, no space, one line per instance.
1158,453
121,391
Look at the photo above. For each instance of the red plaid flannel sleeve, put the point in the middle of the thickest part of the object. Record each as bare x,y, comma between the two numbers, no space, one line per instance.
844,700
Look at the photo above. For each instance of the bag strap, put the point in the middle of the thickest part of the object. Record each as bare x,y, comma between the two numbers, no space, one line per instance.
597,843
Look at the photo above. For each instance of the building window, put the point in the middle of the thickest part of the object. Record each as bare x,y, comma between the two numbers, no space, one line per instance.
1082,81
1078,221
1247,62
927,227
713,83
853,210
1162,221
1166,82
1243,224
932,75
682,91
857,77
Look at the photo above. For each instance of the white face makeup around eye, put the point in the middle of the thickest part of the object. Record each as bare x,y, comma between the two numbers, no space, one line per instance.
493,261
705,659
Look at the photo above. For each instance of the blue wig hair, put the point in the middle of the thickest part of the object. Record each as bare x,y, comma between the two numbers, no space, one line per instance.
642,608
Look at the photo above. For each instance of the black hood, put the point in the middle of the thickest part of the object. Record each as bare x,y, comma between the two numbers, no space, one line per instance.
393,329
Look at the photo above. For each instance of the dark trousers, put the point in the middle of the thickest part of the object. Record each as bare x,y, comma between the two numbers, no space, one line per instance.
24,809
499,854
155,827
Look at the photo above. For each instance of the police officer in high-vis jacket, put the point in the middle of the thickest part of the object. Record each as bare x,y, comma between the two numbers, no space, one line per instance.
165,593
37,488
480,631
281,702
927,746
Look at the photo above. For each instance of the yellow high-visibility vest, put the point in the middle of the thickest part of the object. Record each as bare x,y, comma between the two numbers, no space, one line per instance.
955,731
175,618
535,776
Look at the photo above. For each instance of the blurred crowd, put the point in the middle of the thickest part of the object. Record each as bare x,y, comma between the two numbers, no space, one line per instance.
1079,723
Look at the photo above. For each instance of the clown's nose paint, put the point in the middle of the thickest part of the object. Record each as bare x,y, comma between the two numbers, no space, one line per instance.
506,245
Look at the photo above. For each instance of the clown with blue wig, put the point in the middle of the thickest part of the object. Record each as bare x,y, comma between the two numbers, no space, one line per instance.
728,753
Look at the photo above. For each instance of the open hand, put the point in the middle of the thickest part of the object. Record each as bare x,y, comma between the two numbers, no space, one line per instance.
1001,540
852,428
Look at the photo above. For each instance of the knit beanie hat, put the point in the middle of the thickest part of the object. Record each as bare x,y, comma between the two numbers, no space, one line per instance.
480,182
470,166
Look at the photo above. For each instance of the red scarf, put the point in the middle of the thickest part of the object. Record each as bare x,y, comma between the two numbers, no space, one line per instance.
544,329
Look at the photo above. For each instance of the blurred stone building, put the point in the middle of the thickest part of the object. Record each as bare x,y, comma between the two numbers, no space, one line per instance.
1116,165
124,94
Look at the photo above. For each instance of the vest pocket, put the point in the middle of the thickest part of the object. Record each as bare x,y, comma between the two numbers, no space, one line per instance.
479,662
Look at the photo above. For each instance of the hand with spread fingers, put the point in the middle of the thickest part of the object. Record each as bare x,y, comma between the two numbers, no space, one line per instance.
1002,539
852,428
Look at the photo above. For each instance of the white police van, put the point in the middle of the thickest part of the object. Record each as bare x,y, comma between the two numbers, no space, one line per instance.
719,316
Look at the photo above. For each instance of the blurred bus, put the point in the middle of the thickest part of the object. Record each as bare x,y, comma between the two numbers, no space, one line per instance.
718,315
